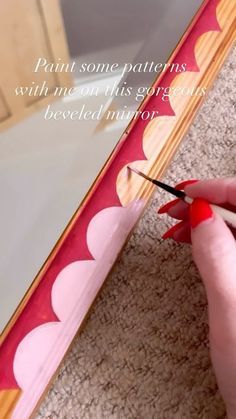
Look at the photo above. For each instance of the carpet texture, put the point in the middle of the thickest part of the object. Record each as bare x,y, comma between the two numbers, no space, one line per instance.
144,350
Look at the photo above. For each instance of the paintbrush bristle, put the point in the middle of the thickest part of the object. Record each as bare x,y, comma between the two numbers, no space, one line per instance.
133,170
140,173
168,188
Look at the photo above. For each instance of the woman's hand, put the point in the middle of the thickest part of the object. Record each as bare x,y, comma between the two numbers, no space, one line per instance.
214,252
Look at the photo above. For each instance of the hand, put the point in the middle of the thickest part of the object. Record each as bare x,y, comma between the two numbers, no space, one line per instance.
214,252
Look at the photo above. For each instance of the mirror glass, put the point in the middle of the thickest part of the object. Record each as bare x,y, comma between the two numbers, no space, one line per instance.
48,160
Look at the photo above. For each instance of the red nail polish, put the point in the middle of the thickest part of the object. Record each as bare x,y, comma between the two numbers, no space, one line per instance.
166,207
200,211
182,185
169,233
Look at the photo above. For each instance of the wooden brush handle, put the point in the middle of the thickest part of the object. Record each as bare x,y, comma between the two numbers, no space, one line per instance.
228,216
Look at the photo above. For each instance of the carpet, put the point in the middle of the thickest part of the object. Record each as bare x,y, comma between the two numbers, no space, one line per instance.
144,350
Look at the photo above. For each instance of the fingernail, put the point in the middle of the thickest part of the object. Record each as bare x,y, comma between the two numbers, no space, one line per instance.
166,207
169,233
200,211
182,185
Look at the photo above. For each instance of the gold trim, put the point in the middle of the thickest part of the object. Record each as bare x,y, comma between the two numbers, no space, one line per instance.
8,400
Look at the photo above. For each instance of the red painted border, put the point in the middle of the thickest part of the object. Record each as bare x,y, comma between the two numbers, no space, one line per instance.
74,248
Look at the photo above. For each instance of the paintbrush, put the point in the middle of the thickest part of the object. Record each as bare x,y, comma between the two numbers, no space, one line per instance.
228,216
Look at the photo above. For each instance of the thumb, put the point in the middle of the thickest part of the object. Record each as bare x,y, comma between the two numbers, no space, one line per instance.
214,252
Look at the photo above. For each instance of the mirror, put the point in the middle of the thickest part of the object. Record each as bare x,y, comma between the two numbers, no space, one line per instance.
51,150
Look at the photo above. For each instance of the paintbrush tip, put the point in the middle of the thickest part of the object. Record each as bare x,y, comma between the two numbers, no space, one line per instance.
170,189
140,173
133,170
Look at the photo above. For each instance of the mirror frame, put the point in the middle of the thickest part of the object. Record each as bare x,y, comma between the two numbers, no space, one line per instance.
148,145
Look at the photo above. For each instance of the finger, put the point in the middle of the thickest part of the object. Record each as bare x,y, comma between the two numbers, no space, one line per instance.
216,191
179,232
180,186
214,252
177,209
165,208
183,234
180,211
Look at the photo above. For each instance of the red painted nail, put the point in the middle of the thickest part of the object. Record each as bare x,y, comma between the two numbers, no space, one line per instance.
167,206
200,211
182,185
169,233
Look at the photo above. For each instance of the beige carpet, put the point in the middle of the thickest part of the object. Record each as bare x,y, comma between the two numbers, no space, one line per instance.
144,350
